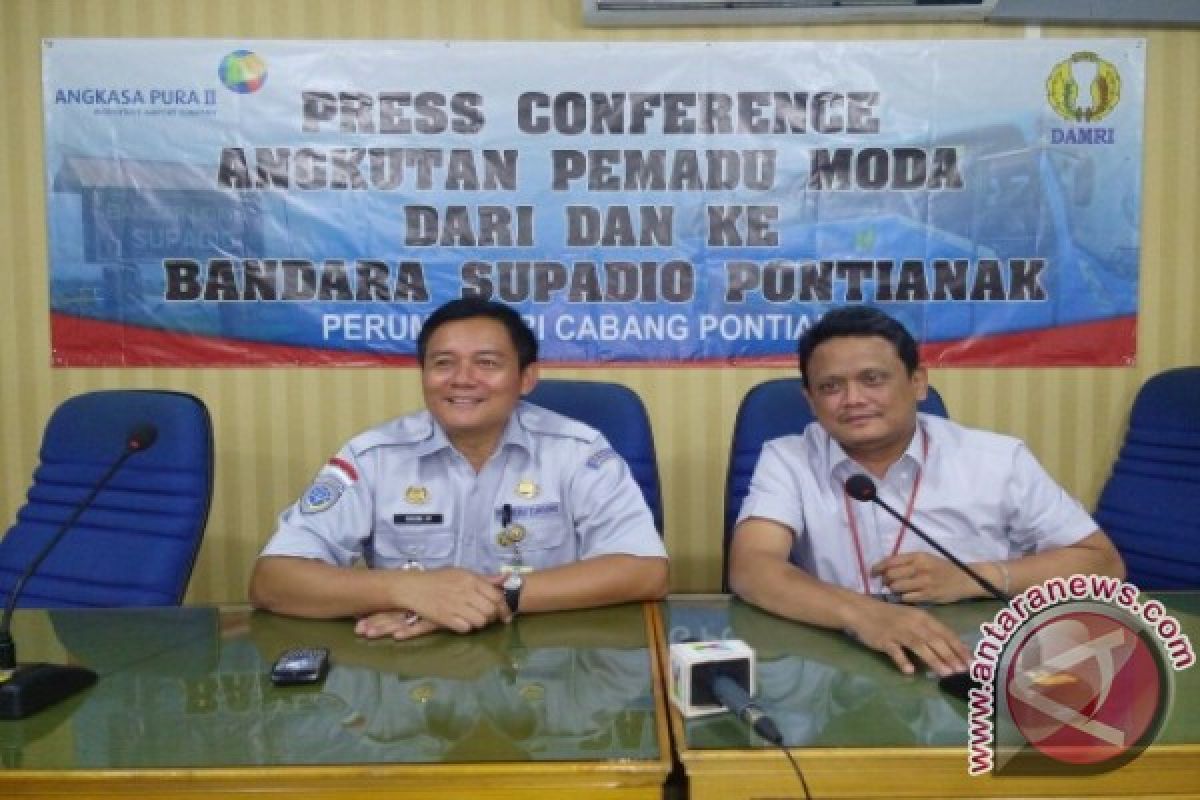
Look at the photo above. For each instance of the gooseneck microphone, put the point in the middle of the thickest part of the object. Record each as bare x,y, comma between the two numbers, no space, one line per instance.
27,688
862,489
731,695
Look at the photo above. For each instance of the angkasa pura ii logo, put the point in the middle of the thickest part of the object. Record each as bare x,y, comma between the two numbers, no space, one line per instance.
243,71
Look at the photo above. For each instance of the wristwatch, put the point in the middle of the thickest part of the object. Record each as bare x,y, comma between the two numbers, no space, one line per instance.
512,590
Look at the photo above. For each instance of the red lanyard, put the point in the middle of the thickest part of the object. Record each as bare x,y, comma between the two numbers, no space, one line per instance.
912,501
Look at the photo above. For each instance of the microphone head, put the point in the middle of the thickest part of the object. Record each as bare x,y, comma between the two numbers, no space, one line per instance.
141,437
861,488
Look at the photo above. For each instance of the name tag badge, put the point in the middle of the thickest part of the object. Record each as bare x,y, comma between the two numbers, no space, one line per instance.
417,519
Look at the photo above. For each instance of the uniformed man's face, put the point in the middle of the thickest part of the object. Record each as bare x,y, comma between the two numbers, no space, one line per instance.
861,392
471,377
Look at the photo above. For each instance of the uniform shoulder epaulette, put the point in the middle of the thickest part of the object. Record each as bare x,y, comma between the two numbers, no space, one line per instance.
543,420
406,430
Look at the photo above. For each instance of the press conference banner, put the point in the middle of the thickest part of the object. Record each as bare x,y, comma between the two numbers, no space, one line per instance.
288,202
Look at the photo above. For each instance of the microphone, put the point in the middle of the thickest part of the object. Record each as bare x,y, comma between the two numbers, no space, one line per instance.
862,489
28,688
141,437
738,701
715,676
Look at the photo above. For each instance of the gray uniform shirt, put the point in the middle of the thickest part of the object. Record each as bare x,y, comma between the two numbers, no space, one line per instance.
400,494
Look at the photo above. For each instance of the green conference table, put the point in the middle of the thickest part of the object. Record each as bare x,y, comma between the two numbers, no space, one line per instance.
557,705
858,727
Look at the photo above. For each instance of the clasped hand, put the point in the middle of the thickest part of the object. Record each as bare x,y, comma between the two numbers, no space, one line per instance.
453,599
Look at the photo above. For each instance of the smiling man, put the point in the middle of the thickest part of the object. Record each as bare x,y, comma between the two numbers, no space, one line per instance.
476,508
804,550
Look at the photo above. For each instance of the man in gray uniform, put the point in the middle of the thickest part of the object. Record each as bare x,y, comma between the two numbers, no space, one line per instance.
476,508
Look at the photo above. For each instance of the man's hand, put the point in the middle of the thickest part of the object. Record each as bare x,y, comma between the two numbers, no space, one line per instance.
926,578
455,599
902,632
398,625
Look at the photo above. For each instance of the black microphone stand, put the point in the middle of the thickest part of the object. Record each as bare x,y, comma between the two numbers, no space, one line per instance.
26,689
862,489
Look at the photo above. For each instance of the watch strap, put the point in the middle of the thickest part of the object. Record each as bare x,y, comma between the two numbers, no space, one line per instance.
512,596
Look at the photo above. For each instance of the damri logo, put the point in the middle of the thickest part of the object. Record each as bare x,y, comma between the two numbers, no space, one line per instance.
1072,682
243,71
1083,88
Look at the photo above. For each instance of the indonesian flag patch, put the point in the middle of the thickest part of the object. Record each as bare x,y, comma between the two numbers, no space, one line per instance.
333,479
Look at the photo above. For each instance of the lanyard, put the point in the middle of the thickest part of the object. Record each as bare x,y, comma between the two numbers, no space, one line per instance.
912,501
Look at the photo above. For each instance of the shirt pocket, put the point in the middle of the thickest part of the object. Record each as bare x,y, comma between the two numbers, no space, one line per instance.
547,538
430,546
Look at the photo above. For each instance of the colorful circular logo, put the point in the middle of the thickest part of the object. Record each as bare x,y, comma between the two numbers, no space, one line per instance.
1084,685
243,71
1083,88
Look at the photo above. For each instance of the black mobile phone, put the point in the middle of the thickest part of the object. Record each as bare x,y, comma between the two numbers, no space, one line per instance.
298,665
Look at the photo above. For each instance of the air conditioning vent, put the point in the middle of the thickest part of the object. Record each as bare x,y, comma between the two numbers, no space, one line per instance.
650,13
616,13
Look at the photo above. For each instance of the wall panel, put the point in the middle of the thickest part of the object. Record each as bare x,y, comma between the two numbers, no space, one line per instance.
274,427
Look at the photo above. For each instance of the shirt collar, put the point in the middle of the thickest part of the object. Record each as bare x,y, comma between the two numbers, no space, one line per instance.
514,434
840,466
435,439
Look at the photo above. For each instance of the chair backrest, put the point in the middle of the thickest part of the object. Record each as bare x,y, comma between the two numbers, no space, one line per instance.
618,413
136,543
769,410
1150,505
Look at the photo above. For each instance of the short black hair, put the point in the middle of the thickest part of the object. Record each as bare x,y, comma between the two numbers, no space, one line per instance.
471,307
857,321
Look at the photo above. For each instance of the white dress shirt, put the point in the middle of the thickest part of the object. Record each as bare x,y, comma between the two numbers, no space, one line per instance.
982,496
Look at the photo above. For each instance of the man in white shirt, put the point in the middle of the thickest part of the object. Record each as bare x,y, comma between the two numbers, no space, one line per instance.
805,550
476,508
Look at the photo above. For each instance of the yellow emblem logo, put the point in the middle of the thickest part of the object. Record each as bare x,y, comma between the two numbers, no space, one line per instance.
527,489
533,692
421,693
1083,88
417,495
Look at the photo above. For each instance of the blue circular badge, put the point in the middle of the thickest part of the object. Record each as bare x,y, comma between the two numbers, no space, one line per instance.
321,495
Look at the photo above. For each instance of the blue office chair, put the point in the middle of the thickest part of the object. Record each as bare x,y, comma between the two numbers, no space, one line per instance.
135,545
1150,506
769,410
618,413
